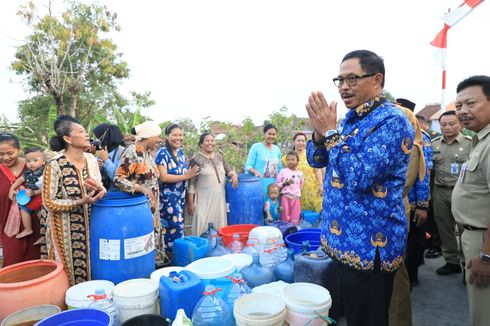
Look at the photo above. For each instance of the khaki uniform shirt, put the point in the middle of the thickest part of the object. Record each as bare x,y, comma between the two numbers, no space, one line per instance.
471,196
448,159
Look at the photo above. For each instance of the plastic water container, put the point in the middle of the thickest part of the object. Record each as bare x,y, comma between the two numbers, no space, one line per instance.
78,317
246,202
238,289
30,315
122,243
213,270
211,310
286,228
135,297
256,274
310,216
268,257
236,245
179,291
318,268
78,296
306,304
281,251
211,233
239,260
259,309
103,302
188,249
219,249
266,235
165,271
285,270
181,319
295,240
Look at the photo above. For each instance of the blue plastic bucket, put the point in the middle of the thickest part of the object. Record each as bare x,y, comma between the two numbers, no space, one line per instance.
188,249
78,317
122,243
295,240
245,203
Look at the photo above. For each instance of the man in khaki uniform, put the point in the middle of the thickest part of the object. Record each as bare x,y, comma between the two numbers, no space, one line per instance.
471,195
449,152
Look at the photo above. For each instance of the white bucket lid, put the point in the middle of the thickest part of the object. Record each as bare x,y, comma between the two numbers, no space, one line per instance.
137,289
275,288
76,296
240,260
306,297
211,267
165,271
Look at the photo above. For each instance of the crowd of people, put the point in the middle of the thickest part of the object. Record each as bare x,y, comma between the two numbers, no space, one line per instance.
380,179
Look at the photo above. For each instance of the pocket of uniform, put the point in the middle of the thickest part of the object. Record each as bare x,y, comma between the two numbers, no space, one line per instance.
472,162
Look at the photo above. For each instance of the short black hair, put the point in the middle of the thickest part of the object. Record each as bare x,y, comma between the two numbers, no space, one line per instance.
269,126
451,112
479,80
33,150
421,118
6,137
293,153
370,62
272,185
203,137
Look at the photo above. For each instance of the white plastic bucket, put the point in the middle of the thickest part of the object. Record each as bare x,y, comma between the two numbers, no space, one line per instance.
306,302
213,270
259,309
76,296
240,260
30,314
165,271
275,288
266,234
135,297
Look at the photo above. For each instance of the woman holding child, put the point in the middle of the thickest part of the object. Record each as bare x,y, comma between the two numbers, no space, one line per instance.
12,166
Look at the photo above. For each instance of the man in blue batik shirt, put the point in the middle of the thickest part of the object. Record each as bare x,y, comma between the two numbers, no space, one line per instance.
418,197
366,158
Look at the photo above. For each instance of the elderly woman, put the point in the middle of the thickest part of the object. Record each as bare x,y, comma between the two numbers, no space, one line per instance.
67,196
137,171
206,191
264,158
311,194
12,167
174,172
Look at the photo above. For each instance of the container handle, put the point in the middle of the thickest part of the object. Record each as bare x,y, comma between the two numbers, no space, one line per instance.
327,319
236,280
211,292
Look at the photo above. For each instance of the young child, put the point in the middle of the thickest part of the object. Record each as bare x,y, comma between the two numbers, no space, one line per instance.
272,204
32,176
290,180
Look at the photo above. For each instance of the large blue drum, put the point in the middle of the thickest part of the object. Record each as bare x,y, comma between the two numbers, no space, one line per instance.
246,203
122,242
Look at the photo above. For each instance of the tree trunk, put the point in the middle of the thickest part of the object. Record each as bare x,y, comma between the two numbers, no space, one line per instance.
74,102
60,106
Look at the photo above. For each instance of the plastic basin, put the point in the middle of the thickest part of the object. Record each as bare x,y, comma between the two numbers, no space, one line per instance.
242,230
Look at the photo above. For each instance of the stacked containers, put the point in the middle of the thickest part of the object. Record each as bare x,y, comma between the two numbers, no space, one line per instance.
213,270
307,304
179,291
135,297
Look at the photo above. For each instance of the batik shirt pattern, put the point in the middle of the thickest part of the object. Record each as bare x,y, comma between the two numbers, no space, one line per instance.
419,193
365,174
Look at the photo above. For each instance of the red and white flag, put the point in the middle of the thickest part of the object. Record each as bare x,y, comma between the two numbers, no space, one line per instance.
452,18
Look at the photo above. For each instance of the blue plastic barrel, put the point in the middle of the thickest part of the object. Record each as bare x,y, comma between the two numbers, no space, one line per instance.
78,317
246,203
122,242
295,240
188,249
179,291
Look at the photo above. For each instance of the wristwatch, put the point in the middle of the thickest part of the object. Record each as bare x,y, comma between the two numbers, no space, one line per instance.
330,133
484,257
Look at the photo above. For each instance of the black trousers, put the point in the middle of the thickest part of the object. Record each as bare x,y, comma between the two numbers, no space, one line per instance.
415,249
366,296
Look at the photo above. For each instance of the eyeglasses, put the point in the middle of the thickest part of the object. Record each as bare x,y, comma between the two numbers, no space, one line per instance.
351,80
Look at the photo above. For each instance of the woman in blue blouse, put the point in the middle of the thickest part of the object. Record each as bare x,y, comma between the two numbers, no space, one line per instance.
264,158
174,172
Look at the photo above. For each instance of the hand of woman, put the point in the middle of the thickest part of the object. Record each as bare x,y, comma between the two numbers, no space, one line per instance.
234,181
191,209
257,174
12,193
103,154
192,172
320,190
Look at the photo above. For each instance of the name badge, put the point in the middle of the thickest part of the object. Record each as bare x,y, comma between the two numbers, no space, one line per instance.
454,168
462,173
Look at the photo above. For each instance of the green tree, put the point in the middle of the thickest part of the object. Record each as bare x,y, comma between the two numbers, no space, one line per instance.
69,56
